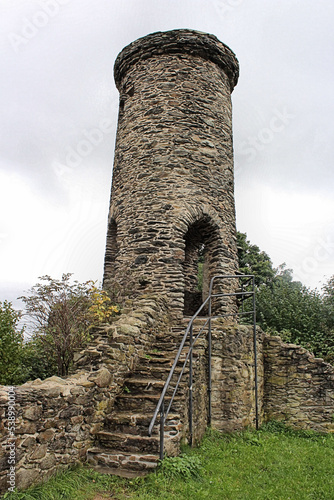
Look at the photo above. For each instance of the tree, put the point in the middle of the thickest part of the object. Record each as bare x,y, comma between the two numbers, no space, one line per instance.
252,260
62,314
37,361
328,299
11,341
286,307
290,306
328,291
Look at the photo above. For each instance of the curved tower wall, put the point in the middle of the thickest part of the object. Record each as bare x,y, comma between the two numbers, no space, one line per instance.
172,195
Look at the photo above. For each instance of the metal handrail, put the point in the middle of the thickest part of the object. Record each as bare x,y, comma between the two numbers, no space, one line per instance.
174,366
183,367
160,408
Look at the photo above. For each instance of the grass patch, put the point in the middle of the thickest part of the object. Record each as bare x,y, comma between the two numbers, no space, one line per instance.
275,463
79,483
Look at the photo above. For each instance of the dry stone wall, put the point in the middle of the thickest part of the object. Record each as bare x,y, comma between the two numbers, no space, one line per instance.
56,419
298,388
233,376
172,188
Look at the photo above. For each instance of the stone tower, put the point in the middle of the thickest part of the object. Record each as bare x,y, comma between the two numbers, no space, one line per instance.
172,197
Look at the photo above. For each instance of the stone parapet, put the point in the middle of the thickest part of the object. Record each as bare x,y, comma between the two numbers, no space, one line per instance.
191,42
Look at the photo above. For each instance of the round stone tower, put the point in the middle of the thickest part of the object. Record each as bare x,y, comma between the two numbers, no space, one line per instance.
172,198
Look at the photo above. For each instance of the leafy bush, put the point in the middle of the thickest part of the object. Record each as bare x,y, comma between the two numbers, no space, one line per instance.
184,467
286,307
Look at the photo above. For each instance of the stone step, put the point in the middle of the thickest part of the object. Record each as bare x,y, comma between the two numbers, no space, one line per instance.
198,321
138,423
141,403
162,344
158,372
146,384
165,354
128,474
123,447
144,364
174,333
171,350
167,346
168,355
174,339
128,442
143,384
118,460
165,359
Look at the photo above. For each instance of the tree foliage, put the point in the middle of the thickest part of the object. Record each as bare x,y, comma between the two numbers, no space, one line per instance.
61,315
11,341
37,360
286,307
252,260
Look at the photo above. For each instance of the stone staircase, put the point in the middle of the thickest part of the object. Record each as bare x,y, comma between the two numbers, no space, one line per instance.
123,447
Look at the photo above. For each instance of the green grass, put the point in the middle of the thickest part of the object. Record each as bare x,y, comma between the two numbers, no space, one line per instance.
79,483
275,463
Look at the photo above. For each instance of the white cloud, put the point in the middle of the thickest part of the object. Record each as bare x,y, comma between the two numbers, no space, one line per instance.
40,238
297,228
60,85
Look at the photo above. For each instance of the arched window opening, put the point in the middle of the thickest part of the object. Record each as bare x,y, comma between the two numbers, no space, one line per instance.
199,241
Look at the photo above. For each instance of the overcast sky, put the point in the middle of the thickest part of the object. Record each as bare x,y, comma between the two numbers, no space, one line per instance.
56,86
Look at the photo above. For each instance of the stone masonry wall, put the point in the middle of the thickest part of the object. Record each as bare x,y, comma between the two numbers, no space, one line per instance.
56,419
233,376
173,167
200,394
298,388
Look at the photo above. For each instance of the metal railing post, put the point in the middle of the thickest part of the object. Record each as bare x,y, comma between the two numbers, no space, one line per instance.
160,407
191,385
242,296
162,429
255,358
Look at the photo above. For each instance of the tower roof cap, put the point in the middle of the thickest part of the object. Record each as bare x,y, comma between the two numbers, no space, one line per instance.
181,41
